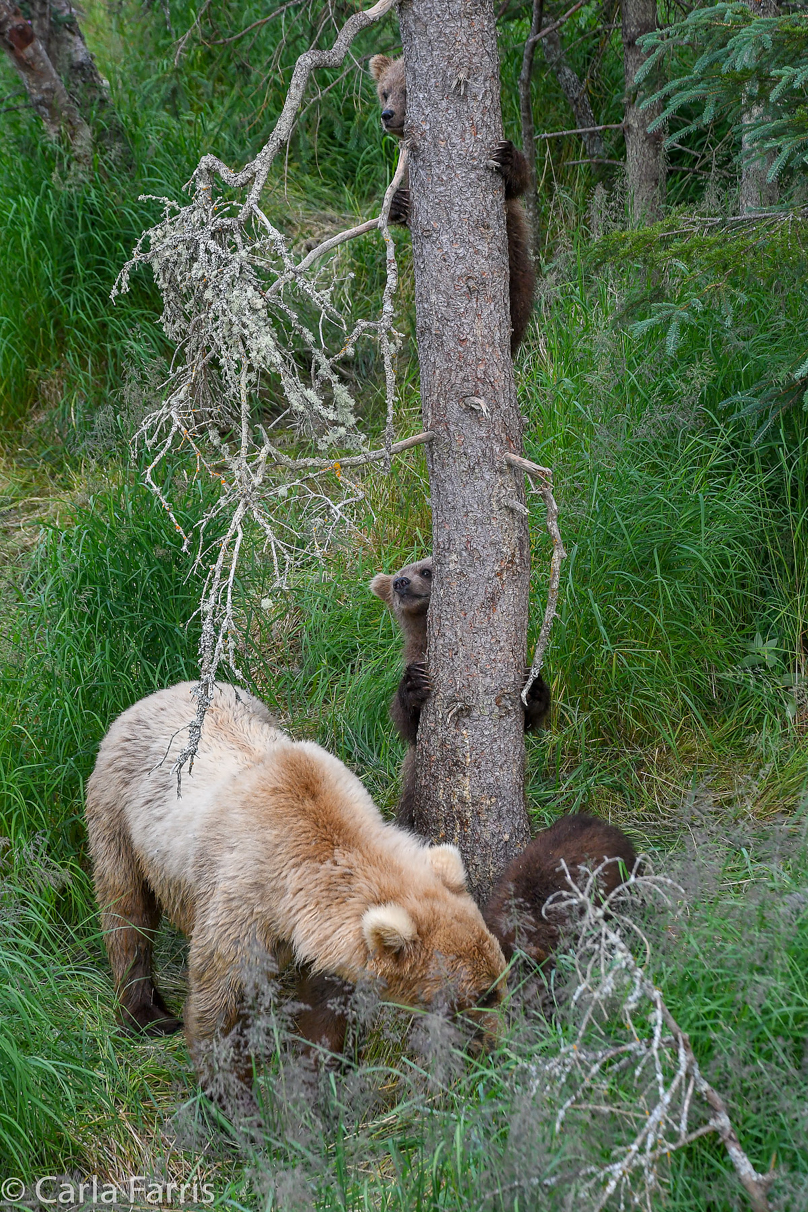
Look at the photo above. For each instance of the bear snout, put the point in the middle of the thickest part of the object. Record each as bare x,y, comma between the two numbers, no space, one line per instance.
401,584
388,115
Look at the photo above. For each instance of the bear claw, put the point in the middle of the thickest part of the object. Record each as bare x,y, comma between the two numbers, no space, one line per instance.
400,207
417,683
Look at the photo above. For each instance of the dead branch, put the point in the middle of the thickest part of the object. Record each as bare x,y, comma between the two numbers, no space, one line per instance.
531,469
232,291
556,25
255,25
583,130
349,234
596,160
372,456
258,169
545,490
756,1185
657,1059
183,41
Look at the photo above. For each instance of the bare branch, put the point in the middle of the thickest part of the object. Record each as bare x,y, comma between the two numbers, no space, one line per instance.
545,489
236,302
595,160
531,469
255,25
372,456
626,1038
257,170
551,29
183,41
582,130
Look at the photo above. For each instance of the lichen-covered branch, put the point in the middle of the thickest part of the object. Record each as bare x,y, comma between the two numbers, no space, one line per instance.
251,320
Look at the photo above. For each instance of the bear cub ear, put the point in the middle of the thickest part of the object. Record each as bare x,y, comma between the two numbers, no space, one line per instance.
382,586
378,65
388,928
448,866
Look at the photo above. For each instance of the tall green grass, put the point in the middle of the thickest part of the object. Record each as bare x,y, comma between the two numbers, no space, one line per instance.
683,549
677,660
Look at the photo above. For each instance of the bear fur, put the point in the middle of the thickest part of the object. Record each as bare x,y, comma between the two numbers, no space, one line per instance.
506,159
273,849
407,594
513,912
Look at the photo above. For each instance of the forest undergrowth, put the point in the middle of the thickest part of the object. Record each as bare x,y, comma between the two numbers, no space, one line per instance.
657,380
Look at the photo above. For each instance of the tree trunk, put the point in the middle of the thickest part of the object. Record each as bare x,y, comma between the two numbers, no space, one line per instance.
645,161
72,59
575,92
755,191
48,94
470,754
530,200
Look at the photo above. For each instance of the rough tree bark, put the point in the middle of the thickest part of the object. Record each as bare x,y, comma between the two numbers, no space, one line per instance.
530,200
470,754
48,95
645,161
574,90
72,59
755,191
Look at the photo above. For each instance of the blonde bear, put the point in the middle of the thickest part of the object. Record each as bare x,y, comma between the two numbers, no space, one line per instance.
274,848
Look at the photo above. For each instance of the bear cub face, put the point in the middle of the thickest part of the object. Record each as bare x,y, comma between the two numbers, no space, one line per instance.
406,592
391,86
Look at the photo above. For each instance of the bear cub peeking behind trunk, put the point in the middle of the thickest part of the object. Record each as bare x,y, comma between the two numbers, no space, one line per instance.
407,594
505,159
274,849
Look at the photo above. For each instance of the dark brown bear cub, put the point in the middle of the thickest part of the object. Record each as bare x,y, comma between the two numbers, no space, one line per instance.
505,159
513,912
407,594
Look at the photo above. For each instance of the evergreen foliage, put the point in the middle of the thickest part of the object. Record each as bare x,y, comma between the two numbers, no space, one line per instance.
739,57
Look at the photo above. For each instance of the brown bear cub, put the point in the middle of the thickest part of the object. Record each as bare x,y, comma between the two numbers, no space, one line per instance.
407,593
514,910
505,159
274,850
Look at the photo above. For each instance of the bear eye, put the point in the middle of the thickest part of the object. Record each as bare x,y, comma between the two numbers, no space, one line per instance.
384,96
427,573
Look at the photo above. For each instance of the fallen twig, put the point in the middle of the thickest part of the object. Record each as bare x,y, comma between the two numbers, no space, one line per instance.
657,1059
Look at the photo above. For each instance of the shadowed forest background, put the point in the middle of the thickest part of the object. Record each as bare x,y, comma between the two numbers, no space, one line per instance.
663,380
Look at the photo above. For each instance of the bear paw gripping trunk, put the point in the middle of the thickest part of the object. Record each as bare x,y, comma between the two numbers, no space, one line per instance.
470,753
